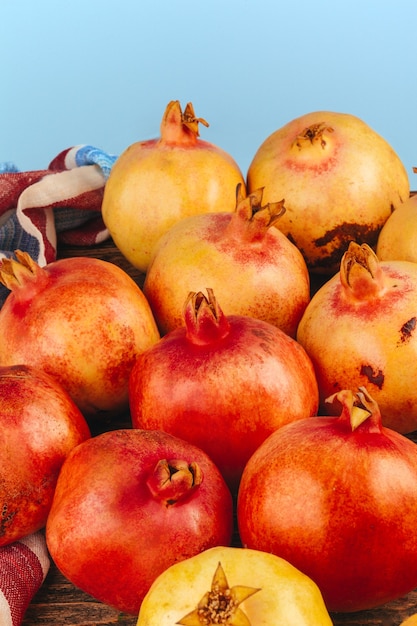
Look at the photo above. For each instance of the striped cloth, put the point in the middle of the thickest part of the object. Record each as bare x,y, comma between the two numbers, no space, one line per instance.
24,565
62,203
38,209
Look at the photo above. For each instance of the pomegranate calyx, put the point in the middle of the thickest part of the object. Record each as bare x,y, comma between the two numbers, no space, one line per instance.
361,273
314,135
20,272
220,605
205,321
191,121
172,481
178,127
251,220
359,410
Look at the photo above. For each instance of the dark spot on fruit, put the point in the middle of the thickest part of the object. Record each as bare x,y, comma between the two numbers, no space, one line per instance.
407,329
338,240
262,333
291,238
6,518
374,377
346,232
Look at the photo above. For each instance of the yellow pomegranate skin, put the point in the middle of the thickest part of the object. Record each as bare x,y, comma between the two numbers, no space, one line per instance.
340,180
155,183
410,621
265,590
250,265
397,240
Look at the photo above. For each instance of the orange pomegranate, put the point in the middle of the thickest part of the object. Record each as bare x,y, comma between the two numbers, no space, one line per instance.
81,320
155,183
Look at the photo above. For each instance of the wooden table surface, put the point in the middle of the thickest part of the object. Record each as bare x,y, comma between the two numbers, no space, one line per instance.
59,603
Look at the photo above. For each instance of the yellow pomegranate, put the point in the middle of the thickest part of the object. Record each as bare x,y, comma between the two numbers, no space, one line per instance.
252,267
359,330
155,183
397,240
340,180
234,586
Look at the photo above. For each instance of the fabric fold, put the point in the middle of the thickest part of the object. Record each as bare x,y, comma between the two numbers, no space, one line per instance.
62,203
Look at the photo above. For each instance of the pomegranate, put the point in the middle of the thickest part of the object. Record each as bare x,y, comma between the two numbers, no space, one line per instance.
155,183
224,383
229,585
359,330
130,503
340,179
397,240
81,320
337,497
253,268
40,425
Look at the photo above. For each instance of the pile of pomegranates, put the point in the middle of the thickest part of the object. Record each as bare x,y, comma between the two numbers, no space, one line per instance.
265,364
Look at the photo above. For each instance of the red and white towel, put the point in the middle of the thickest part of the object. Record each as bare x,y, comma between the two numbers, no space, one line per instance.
23,568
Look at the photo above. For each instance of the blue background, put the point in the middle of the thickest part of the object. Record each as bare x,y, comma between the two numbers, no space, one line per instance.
101,73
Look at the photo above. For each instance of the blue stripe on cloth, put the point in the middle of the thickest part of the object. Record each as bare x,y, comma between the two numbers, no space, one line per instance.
86,155
89,155
8,167
67,218
13,237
